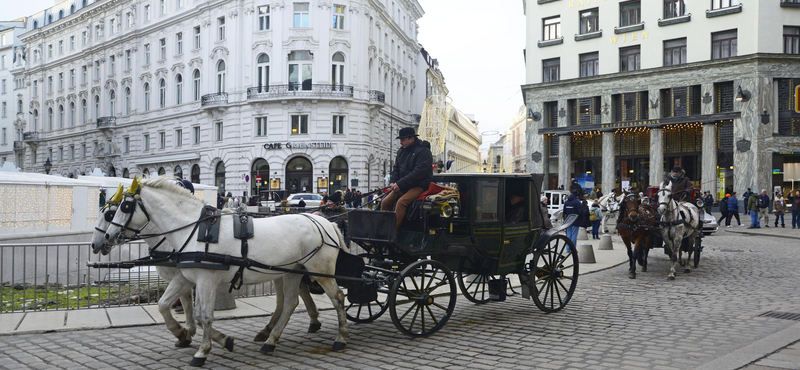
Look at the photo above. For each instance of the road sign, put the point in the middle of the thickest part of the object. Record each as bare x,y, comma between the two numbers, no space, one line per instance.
258,180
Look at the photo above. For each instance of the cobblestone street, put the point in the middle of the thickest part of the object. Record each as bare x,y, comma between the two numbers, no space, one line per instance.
612,323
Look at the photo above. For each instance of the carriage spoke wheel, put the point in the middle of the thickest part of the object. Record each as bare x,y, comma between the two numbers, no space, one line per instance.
422,298
369,312
554,272
475,288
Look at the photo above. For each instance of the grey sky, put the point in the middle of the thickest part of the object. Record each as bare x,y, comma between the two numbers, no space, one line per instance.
478,44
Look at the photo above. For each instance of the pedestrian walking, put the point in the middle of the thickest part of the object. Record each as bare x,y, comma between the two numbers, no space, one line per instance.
708,202
763,208
779,206
576,189
357,199
745,197
795,201
545,215
723,209
573,206
348,198
595,216
733,209
752,207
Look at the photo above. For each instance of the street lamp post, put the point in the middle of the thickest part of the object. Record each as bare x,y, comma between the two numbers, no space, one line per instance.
47,166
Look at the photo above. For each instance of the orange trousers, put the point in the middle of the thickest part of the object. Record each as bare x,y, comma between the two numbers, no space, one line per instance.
405,200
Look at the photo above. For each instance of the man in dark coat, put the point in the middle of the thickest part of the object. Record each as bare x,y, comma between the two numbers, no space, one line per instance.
681,186
574,206
576,189
411,175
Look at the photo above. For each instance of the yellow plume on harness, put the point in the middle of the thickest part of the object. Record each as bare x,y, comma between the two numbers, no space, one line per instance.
134,188
117,196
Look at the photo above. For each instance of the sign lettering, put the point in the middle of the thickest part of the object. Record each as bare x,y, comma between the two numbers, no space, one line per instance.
625,38
646,123
579,3
312,145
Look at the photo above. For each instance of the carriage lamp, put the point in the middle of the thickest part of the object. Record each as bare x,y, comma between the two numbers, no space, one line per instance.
47,166
765,117
454,204
742,95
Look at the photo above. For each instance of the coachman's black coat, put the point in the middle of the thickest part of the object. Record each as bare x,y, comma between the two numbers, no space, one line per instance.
413,167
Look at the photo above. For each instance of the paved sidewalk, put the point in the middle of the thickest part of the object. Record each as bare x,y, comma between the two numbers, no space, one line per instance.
771,231
116,317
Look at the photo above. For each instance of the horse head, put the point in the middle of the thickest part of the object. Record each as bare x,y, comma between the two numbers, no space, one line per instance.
99,243
664,197
630,204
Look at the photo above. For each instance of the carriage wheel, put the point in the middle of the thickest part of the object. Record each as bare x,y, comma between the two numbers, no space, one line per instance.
422,298
554,273
475,288
369,312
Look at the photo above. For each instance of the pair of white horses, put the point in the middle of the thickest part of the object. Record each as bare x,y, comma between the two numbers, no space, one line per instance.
292,241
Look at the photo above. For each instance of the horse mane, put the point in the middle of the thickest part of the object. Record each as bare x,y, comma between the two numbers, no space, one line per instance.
169,183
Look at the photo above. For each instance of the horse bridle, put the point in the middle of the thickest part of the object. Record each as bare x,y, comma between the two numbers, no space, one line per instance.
128,206
669,197
634,210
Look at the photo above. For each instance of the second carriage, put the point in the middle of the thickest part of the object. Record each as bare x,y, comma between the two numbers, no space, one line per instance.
485,230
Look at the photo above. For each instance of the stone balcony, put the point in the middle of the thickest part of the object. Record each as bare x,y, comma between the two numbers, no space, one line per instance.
299,91
30,136
376,96
18,145
215,99
106,122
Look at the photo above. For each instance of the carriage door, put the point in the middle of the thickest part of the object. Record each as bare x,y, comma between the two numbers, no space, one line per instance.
516,222
488,229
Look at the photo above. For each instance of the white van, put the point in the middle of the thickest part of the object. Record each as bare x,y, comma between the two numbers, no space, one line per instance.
555,204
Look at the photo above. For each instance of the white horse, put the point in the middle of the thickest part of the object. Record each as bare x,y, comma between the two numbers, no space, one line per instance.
172,275
681,220
292,242
609,205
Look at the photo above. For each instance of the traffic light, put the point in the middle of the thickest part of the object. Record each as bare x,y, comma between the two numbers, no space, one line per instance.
797,99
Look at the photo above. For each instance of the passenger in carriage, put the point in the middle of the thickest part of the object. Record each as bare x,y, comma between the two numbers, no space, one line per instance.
681,185
516,209
411,175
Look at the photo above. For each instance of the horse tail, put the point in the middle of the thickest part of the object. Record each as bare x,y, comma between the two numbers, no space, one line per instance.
340,236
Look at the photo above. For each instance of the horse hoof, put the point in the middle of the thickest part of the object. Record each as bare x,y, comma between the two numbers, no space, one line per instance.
260,337
670,278
313,328
183,343
644,268
229,344
338,346
267,349
687,271
197,361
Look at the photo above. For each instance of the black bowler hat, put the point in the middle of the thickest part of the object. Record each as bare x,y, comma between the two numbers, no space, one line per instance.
407,132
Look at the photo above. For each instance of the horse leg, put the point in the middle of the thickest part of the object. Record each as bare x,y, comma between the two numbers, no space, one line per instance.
204,306
631,259
188,309
291,284
176,288
648,241
673,257
311,309
264,333
337,298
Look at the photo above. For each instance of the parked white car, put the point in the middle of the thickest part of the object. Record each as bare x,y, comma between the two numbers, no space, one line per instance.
709,223
555,204
312,200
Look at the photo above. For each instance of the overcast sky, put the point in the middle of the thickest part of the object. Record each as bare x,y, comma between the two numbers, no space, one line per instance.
478,44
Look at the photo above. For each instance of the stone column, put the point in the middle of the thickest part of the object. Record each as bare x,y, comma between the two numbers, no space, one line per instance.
564,160
656,156
707,99
709,169
609,166
537,158
655,103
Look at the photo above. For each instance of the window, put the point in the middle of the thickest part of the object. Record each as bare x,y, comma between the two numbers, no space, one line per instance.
4,86
196,84
35,119
589,21
178,138
83,151
36,87
162,93
300,69
196,135
147,13
146,141
551,28
723,44
487,200
97,69
111,67
630,13
337,70
49,51
261,126
72,43
50,119
162,140
84,111
338,17
85,38
84,72
60,47
97,34
127,101
590,64
71,114
3,62
719,4
791,40
61,81
300,15
163,7
299,124
218,131
675,52
4,136
630,58
96,107
3,111
338,125
112,103
72,152
179,43
262,72
146,97
197,37
221,28
674,8
128,60
126,144
178,4
50,85
111,26
221,76
129,18
146,54
163,49
71,78
263,18
178,89
60,114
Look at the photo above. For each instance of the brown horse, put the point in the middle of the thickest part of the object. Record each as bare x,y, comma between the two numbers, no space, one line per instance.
633,228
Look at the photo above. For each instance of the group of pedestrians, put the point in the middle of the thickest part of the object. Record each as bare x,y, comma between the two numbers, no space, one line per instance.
757,206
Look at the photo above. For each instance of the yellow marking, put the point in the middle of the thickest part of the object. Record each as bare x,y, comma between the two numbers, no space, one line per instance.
613,39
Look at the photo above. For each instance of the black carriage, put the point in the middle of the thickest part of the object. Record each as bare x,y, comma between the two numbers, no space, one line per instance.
476,238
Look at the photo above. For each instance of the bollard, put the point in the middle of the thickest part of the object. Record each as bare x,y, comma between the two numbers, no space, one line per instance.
605,243
224,300
586,253
582,234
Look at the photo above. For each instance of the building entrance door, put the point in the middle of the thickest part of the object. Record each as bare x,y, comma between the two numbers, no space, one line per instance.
298,176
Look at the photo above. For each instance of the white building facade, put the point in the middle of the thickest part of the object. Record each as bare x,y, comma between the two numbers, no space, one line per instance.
9,107
516,152
462,143
306,96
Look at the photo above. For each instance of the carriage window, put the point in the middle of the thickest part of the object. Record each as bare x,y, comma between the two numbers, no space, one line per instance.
487,200
516,201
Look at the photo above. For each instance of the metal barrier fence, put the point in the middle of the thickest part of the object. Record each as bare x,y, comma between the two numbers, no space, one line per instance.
54,276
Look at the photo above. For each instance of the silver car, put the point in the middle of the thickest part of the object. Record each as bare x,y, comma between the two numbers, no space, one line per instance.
312,200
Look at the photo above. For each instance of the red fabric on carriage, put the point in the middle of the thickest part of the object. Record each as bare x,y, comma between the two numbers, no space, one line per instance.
432,189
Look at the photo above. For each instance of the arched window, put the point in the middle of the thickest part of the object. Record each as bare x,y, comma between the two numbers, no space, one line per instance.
260,168
337,71
72,9
72,114
35,119
262,72
146,174
161,171
61,14
300,70
127,101
338,172
112,102
221,76
178,172
195,174
49,19
50,119
125,173
178,89
96,106
85,2
196,84
60,116
146,97
84,111
162,93
219,177
35,24
19,106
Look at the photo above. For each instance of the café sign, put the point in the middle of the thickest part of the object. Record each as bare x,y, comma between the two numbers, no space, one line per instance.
300,145
642,123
